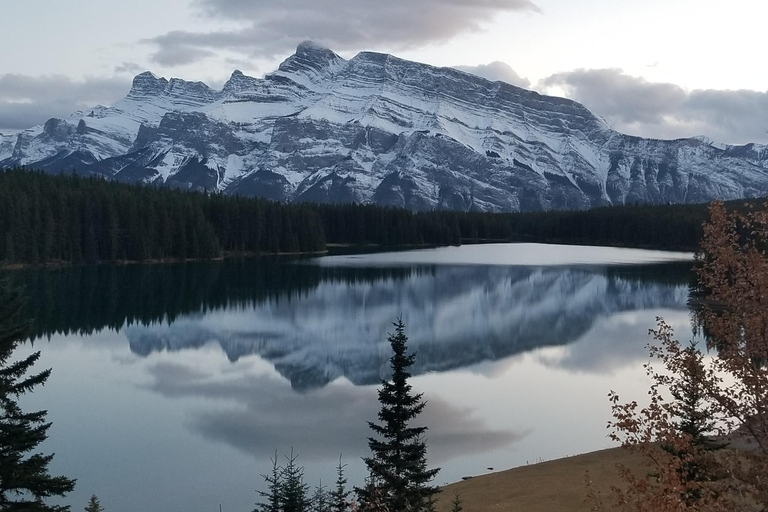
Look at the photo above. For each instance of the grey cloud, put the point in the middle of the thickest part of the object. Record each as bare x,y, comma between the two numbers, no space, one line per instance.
278,25
179,55
497,70
129,67
326,422
238,9
27,101
243,64
605,350
616,342
620,96
663,110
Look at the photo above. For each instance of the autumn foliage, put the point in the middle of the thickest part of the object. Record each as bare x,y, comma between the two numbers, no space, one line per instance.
703,433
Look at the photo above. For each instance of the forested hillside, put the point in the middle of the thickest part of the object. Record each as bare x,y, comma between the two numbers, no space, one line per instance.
66,218
47,218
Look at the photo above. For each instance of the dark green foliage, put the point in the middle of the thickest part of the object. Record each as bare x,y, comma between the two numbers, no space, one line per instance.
339,496
286,490
457,505
669,227
273,494
321,499
675,227
371,497
294,490
94,505
430,505
24,478
398,461
694,415
45,218
691,404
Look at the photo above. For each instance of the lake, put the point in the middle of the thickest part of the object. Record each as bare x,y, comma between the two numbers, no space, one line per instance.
173,385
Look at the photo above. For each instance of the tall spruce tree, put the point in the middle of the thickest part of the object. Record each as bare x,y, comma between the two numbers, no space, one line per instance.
274,491
94,505
339,496
24,478
320,501
457,505
294,490
398,464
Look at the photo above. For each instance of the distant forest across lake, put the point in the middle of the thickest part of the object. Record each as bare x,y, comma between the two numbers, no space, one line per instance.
47,219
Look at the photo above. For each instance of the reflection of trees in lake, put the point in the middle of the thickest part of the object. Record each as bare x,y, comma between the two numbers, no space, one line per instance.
316,323
84,299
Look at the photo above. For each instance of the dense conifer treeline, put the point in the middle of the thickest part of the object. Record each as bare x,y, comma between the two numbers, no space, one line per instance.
68,218
668,227
46,218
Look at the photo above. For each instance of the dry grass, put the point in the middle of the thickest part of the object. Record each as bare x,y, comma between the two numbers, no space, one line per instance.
553,486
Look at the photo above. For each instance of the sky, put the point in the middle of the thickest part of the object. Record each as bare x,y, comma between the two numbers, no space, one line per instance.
653,68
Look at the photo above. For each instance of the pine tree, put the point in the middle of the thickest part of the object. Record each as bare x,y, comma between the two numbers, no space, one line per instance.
457,505
398,464
24,478
371,498
273,494
691,403
339,497
94,505
294,490
321,501
430,503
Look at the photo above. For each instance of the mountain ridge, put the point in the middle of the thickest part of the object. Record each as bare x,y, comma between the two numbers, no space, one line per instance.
376,128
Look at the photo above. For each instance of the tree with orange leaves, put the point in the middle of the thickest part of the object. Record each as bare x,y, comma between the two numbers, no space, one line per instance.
733,281
698,403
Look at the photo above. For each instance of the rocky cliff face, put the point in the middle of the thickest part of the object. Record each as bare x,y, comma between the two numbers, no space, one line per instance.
380,129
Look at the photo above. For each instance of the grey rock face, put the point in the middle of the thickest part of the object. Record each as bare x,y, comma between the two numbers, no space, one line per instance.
384,130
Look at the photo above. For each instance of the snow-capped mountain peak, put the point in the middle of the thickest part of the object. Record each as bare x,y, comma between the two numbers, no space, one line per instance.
381,129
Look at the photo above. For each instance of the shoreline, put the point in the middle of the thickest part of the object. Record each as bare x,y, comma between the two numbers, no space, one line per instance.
151,261
557,485
54,264
561,485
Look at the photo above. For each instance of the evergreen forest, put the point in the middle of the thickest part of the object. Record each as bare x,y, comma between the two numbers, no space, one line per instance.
66,218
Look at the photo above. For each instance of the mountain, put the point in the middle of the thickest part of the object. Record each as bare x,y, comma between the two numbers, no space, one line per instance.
340,328
380,129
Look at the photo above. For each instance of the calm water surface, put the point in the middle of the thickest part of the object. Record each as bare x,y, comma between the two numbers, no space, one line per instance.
172,385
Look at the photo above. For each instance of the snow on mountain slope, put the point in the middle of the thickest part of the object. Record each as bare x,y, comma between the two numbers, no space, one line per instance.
342,328
380,129
7,141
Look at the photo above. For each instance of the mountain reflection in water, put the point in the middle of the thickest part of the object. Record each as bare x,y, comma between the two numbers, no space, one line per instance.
315,323
205,368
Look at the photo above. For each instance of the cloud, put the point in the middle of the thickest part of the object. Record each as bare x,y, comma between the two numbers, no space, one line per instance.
129,67
495,71
276,26
27,101
663,110
615,342
327,421
178,54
